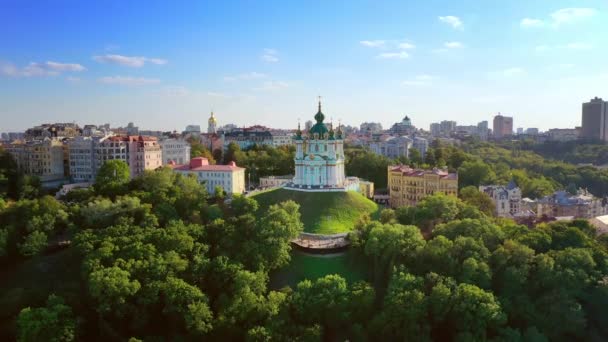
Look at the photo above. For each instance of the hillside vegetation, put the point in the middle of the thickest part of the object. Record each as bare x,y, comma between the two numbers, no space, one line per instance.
322,212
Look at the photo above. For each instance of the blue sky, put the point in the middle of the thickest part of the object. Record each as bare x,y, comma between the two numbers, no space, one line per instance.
164,65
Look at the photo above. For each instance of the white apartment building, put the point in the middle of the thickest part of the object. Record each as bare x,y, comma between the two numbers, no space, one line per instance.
506,198
177,150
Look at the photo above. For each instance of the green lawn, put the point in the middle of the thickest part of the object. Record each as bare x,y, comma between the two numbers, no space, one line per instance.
322,212
313,266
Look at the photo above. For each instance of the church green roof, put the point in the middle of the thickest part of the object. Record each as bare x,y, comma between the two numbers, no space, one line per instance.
319,128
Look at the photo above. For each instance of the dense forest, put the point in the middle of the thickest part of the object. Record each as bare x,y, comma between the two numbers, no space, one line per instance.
156,258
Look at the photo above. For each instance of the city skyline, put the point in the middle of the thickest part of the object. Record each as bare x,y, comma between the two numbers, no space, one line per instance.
165,67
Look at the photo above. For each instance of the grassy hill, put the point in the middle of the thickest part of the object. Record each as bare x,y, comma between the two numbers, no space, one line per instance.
322,212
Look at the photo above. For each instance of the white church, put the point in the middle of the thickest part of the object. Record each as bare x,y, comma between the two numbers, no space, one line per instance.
319,159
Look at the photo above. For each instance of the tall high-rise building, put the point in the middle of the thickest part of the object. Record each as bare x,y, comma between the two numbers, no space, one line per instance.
595,120
503,126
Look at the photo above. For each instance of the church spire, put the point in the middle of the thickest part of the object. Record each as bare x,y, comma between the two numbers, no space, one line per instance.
319,97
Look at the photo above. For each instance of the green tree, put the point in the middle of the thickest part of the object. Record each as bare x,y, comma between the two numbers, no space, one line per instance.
54,322
470,195
112,178
475,173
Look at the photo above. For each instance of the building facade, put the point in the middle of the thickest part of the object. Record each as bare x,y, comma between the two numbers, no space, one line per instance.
507,199
281,137
409,186
319,159
83,164
503,126
139,152
563,204
45,158
393,147
248,137
230,177
274,181
177,150
595,120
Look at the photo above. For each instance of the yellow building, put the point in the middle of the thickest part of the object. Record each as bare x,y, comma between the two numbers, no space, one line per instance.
408,186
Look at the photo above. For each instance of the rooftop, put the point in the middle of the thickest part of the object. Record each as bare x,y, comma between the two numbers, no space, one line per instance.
410,172
202,164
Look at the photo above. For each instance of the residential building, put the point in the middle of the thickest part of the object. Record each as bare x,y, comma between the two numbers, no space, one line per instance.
281,137
139,152
393,147
177,150
507,199
532,131
366,188
595,120
274,181
308,125
55,130
563,134
520,130
435,129
45,158
503,126
421,144
230,177
247,137
563,204
408,186
372,127
194,130
82,159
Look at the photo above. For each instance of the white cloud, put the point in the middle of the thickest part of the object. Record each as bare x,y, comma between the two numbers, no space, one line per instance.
273,85
372,43
247,76
33,69
130,61
560,17
453,45
406,46
270,56
394,55
64,66
529,22
420,80
453,21
541,48
570,15
128,80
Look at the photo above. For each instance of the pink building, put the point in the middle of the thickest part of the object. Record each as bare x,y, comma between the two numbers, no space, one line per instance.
139,152
230,177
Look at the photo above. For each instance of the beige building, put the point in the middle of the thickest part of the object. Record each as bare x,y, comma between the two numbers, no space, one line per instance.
366,188
408,186
230,177
45,158
563,204
274,181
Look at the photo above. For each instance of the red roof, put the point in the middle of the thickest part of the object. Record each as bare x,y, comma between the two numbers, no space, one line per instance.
202,164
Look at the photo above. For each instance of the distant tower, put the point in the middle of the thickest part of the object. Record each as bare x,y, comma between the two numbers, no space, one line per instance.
212,127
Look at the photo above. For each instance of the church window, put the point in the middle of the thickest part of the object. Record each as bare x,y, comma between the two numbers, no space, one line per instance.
316,148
